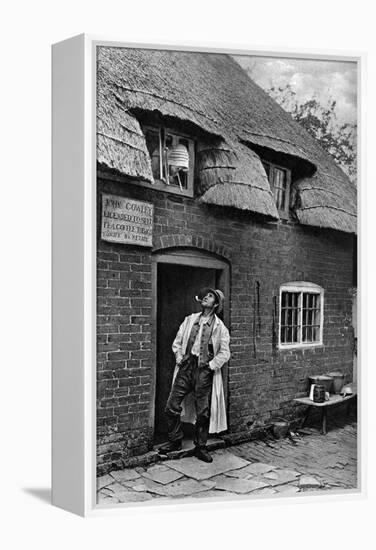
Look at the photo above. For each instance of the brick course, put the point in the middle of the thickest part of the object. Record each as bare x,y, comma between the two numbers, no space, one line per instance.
262,381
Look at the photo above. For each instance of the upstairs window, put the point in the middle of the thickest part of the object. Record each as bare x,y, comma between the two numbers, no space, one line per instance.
172,159
279,180
301,315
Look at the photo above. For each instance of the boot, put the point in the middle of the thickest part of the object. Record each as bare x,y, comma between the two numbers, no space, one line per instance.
203,454
169,447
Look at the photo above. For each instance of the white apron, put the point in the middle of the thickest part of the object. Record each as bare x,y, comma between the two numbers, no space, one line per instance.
221,339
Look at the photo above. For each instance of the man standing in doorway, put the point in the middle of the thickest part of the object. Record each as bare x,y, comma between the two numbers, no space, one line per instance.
201,348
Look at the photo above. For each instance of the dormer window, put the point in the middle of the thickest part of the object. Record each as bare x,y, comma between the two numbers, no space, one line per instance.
172,159
279,180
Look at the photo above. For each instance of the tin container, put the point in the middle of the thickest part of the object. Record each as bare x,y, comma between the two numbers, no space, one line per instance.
319,393
280,429
338,381
323,380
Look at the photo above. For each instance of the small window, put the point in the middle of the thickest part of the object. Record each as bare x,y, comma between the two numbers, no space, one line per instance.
301,315
279,180
161,143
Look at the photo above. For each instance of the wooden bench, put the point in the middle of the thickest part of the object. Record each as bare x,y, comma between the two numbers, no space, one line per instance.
333,400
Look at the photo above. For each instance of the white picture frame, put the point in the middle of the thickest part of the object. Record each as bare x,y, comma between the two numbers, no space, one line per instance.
74,266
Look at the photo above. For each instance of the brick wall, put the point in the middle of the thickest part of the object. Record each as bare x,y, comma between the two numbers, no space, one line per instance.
262,381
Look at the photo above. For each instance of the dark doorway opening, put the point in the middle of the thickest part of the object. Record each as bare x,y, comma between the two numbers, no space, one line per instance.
177,286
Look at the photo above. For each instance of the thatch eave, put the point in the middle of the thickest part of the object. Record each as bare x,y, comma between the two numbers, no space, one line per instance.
320,202
241,197
280,146
185,124
231,174
121,142
328,218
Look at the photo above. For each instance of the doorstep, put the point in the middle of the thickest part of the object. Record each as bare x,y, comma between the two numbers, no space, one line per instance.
186,450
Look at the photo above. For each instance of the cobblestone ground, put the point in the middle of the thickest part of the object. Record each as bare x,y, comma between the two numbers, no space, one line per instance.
307,462
331,458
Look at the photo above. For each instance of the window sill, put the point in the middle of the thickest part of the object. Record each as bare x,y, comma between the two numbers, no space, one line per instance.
289,347
157,186
161,186
284,215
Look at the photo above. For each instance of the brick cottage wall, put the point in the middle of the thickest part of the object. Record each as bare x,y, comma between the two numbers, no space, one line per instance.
262,381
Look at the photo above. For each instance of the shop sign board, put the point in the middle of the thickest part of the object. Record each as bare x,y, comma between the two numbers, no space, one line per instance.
127,221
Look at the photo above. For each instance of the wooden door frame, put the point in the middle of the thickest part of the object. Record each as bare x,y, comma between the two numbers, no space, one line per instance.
190,257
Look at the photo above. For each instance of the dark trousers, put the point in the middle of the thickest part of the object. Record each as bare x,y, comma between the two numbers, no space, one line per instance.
196,379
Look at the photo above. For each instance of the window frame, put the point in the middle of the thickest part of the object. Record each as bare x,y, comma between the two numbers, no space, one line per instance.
301,287
159,183
272,166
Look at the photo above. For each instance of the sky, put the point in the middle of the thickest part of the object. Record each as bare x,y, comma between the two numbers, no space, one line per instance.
324,80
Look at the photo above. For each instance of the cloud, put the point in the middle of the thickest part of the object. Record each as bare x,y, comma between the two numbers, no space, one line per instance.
324,80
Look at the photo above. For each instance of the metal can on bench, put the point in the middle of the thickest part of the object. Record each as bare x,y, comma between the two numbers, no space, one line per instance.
319,393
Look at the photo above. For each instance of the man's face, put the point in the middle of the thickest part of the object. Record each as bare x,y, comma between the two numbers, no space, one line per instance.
209,300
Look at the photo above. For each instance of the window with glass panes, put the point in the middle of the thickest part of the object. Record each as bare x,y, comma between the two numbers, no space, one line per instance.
279,180
301,315
159,141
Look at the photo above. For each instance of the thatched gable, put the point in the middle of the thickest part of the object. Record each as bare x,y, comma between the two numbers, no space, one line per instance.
213,93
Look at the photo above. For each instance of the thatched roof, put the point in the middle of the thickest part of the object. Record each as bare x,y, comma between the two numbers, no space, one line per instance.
120,140
232,175
213,94
321,201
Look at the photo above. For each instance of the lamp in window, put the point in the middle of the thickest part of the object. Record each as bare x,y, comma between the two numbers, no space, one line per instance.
178,160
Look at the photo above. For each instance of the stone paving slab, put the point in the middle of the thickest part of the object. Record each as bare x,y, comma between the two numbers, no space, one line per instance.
186,487
105,499
260,468
125,475
279,473
242,473
309,482
278,477
140,487
196,469
234,485
251,470
103,481
123,494
162,474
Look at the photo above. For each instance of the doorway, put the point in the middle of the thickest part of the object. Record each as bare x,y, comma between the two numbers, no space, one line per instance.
179,277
